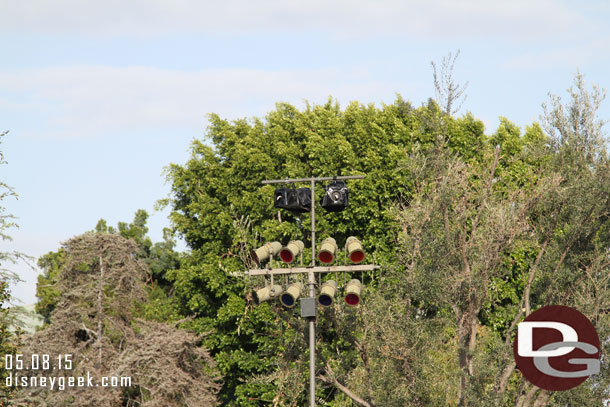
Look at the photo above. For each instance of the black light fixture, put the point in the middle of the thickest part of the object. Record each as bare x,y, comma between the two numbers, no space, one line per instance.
336,197
303,203
295,200
280,198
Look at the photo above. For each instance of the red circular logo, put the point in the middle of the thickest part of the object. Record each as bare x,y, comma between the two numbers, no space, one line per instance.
556,348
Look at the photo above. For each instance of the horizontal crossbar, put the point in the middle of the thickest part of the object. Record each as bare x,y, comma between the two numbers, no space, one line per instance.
318,269
291,180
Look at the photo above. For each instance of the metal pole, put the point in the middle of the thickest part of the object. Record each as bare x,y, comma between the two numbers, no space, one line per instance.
313,227
290,180
312,294
311,273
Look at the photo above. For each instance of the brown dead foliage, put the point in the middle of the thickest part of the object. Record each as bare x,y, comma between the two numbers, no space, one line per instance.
94,322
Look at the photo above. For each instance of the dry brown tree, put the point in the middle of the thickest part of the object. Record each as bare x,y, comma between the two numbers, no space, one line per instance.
101,284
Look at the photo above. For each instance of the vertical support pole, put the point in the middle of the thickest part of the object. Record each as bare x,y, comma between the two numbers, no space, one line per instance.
312,294
311,275
313,224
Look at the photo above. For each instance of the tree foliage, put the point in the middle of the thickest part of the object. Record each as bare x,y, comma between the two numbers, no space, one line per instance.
9,340
219,190
158,257
485,244
474,232
101,286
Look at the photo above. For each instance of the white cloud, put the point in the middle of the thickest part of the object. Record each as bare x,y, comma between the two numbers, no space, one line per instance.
435,18
81,100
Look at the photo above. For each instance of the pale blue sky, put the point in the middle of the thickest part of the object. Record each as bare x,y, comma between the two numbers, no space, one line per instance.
99,96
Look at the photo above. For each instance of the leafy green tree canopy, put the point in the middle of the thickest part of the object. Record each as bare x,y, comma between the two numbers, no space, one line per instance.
218,194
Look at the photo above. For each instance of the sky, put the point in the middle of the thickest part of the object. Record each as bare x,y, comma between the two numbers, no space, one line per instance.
99,96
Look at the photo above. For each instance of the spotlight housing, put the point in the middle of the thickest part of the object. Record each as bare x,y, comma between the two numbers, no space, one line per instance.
267,293
264,252
328,250
295,200
353,289
336,197
280,198
292,293
292,250
354,250
327,293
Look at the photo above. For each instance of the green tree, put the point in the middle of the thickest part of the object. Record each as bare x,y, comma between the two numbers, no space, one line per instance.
473,233
486,244
219,190
46,287
9,341
456,231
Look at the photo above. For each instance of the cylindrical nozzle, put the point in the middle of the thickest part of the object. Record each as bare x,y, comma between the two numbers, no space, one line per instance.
292,293
292,250
354,249
327,293
268,249
266,293
328,250
352,292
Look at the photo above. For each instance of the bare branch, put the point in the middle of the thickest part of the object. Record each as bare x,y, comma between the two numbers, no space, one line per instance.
332,380
448,93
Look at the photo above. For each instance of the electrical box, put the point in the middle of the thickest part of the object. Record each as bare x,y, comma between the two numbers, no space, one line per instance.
309,307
